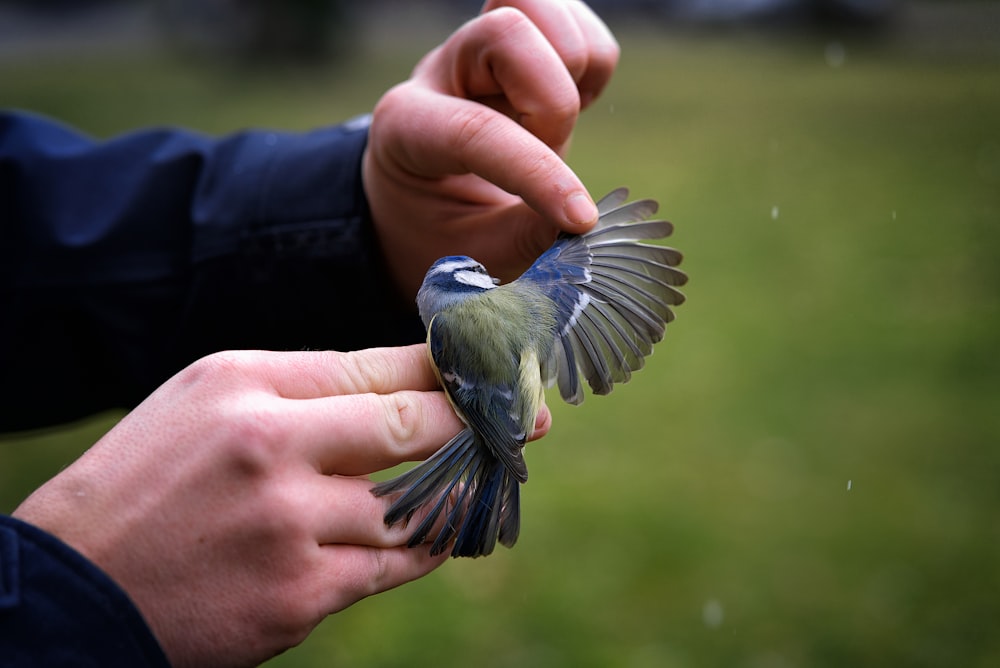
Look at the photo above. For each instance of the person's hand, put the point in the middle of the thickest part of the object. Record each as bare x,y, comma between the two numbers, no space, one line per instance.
227,506
464,157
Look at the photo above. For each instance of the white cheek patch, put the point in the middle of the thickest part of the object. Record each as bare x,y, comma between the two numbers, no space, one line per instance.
475,279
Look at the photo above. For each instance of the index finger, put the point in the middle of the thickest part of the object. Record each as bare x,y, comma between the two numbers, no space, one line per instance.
315,374
442,135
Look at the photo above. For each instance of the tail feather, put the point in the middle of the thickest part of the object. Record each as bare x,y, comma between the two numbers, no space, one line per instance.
493,512
463,479
429,478
433,480
510,526
455,521
424,528
479,531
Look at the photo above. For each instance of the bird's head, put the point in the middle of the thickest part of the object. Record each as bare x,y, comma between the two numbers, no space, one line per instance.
450,280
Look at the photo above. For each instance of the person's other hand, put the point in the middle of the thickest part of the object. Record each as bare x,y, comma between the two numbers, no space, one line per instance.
232,505
465,156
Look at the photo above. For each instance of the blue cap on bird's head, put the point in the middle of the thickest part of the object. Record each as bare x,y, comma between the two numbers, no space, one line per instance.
460,272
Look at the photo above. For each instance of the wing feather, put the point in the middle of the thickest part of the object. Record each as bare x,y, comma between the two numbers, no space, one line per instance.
613,296
612,200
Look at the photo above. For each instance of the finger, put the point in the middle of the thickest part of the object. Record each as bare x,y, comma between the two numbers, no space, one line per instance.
543,422
344,511
558,25
603,53
311,374
502,59
444,135
583,41
355,572
358,434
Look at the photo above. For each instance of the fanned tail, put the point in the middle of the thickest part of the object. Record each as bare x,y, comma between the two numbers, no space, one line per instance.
479,497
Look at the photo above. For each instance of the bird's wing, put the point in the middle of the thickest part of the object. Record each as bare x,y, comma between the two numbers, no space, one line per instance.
613,295
490,406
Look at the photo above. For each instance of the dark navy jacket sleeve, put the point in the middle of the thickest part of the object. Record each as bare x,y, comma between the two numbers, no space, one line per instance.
58,609
121,261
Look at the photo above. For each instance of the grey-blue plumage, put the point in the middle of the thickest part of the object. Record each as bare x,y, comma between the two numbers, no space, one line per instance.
591,305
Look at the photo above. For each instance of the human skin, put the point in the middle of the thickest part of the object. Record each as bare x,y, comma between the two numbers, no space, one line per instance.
465,157
233,504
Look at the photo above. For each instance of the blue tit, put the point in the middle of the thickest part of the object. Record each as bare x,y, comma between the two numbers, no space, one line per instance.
596,302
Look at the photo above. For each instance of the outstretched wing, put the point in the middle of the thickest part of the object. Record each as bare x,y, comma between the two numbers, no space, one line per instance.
613,295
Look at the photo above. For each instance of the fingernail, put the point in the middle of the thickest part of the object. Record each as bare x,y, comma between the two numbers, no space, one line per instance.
579,209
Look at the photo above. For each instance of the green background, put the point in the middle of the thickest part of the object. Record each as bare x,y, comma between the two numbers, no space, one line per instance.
807,471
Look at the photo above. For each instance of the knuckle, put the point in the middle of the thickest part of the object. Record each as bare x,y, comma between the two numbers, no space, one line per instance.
371,573
564,109
363,371
404,417
394,101
554,120
468,127
362,571
242,426
378,570
212,369
254,437
543,168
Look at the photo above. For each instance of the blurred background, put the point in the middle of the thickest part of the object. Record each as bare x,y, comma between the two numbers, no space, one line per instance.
807,472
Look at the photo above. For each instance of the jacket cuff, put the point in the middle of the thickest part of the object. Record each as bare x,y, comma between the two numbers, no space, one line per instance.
58,609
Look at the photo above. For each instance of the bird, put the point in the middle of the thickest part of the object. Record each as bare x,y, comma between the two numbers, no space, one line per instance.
592,305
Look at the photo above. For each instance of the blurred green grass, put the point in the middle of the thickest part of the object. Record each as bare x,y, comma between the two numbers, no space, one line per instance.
806,473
